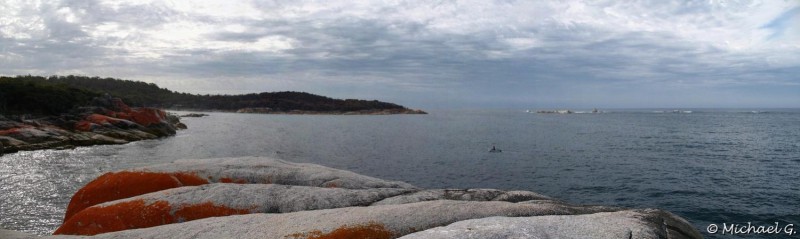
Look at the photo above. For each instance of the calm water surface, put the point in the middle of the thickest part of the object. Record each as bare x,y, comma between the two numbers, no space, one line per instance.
709,166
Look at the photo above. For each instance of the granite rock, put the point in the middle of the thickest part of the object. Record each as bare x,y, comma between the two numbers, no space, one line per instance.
110,122
212,200
639,223
252,170
255,197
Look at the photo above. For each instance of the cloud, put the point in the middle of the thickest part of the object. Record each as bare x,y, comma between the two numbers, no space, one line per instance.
443,53
782,23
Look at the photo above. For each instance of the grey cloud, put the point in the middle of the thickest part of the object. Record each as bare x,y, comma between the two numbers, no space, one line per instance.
409,60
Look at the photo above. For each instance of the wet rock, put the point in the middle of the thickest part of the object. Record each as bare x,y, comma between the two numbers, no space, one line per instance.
181,126
175,121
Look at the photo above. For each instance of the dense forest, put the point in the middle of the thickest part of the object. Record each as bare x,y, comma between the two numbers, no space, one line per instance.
19,96
57,94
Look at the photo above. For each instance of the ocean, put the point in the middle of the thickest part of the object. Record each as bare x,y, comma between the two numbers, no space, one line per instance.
723,167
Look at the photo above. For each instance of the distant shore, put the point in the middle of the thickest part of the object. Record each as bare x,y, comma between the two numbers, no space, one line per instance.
308,112
110,122
360,112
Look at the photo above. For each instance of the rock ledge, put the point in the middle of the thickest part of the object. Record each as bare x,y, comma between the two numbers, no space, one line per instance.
255,197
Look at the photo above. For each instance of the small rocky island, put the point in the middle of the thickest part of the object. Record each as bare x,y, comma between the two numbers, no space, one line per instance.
256,197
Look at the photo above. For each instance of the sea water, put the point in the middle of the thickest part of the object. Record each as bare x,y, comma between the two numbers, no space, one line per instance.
721,167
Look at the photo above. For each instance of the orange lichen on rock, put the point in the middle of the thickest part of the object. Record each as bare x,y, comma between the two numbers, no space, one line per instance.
117,217
147,116
101,119
205,210
369,231
331,185
84,125
119,185
189,179
230,180
139,214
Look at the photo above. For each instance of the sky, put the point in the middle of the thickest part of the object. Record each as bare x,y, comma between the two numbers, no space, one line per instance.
425,54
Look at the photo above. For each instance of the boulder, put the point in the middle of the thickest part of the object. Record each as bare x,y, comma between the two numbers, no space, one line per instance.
173,119
113,194
120,190
393,221
128,183
146,121
640,223
213,200
255,197
180,125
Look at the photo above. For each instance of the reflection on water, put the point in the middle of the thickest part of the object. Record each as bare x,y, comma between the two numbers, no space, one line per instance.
37,185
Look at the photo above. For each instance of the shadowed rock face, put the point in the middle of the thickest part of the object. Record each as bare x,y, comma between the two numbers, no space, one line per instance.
255,197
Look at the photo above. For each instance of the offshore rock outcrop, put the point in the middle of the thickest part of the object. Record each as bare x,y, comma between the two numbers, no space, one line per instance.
256,197
108,121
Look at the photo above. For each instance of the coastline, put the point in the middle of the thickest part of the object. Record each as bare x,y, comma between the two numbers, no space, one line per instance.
111,122
308,112
116,123
225,197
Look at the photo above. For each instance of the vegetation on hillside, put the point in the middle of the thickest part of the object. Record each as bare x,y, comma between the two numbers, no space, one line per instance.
56,94
19,96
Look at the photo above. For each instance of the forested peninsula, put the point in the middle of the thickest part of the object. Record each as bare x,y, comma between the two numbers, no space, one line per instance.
58,94
67,111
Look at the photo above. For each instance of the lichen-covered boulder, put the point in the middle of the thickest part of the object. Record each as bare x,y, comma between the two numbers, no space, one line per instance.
133,182
214,200
385,221
254,197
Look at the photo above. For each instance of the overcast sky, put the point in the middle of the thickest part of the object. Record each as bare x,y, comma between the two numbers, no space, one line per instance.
425,54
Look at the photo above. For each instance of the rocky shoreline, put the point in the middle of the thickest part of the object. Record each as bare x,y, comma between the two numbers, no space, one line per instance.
108,121
257,197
